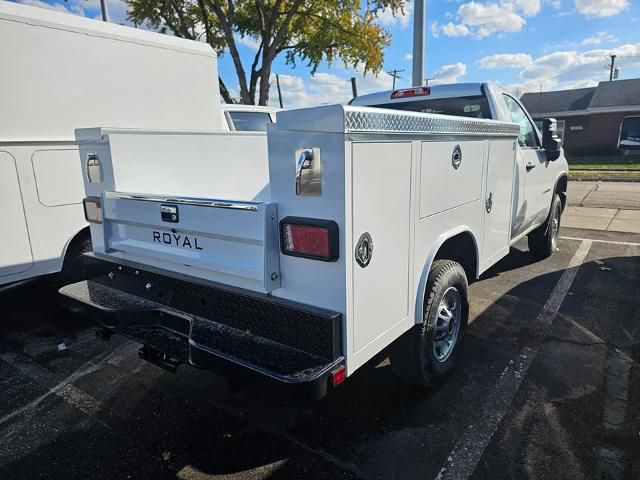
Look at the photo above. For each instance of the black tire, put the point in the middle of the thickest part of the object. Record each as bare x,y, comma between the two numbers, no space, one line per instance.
414,356
544,240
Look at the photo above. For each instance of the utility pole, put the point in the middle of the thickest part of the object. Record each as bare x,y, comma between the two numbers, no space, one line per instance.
417,69
426,81
279,92
354,87
105,10
611,67
394,74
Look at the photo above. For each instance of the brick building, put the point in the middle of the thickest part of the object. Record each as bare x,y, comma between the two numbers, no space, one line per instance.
588,118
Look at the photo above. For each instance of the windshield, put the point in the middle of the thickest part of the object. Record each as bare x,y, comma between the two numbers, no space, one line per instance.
250,121
474,106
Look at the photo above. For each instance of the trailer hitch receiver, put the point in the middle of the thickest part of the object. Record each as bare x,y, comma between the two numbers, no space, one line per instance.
159,359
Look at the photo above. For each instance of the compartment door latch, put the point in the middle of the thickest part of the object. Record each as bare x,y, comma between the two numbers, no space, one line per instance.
364,250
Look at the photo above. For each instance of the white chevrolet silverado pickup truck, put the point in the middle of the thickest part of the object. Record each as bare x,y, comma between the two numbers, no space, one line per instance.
359,234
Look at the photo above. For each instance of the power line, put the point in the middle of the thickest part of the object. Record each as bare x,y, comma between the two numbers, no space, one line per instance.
394,74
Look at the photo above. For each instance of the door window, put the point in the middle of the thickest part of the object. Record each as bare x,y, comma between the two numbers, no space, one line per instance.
528,136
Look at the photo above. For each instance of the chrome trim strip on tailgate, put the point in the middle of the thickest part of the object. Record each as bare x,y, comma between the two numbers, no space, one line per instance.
201,202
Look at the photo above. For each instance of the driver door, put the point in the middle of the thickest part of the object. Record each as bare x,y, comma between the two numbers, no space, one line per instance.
532,171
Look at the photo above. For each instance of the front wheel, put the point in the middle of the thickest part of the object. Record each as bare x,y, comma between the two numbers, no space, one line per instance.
544,241
426,354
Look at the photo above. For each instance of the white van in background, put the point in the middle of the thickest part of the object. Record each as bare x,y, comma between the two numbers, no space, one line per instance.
61,72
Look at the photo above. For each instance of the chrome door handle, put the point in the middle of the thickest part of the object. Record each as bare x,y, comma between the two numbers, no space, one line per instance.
304,163
530,166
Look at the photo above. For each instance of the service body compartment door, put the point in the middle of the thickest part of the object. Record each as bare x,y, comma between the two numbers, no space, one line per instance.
381,213
15,248
450,175
497,201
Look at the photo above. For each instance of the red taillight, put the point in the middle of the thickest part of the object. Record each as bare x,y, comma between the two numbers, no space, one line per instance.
411,92
338,376
309,238
92,209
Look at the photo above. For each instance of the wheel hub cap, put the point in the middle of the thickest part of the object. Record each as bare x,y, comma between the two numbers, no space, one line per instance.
447,325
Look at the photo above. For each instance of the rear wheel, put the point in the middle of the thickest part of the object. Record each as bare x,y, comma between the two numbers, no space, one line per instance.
427,353
544,241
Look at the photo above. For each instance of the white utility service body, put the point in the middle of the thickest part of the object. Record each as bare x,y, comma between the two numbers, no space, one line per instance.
206,262
61,71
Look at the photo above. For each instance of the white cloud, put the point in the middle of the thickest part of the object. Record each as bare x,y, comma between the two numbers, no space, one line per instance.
407,57
58,7
485,19
505,60
529,8
599,38
449,73
326,88
482,19
249,42
572,69
388,19
601,8
86,8
455,30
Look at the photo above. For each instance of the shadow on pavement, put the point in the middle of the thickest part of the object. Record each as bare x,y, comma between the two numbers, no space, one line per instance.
576,415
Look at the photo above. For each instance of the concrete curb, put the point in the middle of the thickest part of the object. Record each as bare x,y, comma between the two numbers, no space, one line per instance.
604,179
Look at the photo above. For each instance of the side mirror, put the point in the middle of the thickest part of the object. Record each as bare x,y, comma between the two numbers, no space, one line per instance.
550,140
629,139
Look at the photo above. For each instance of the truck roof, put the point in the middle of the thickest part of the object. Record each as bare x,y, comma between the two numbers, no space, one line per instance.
436,91
74,23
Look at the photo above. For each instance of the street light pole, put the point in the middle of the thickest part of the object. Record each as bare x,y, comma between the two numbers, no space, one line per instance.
418,43
105,10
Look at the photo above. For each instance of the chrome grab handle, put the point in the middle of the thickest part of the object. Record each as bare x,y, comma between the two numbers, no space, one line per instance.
305,161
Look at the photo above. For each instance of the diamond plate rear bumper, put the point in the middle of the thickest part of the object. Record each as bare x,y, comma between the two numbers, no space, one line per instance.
240,335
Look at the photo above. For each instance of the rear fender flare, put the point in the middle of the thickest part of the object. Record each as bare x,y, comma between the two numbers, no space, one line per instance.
426,267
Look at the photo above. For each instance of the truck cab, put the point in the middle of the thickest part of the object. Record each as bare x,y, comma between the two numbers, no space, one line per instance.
537,167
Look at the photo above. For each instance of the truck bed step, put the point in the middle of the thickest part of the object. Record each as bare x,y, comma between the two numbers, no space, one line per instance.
186,338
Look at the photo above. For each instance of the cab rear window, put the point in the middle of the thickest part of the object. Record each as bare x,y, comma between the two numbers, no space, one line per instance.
474,107
250,121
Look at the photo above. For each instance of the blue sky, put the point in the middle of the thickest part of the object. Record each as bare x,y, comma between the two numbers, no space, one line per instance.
525,45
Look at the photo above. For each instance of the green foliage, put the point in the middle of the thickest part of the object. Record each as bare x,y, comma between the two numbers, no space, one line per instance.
310,31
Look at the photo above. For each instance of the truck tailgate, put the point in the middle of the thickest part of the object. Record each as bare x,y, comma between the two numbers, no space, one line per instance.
235,243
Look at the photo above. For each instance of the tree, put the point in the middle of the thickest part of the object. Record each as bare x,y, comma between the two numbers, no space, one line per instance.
303,30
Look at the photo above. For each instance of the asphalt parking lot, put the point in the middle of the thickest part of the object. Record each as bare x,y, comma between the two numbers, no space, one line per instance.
548,387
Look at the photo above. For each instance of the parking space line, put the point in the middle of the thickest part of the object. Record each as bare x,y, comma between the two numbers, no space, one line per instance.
613,242
599,340
63,389
464,458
